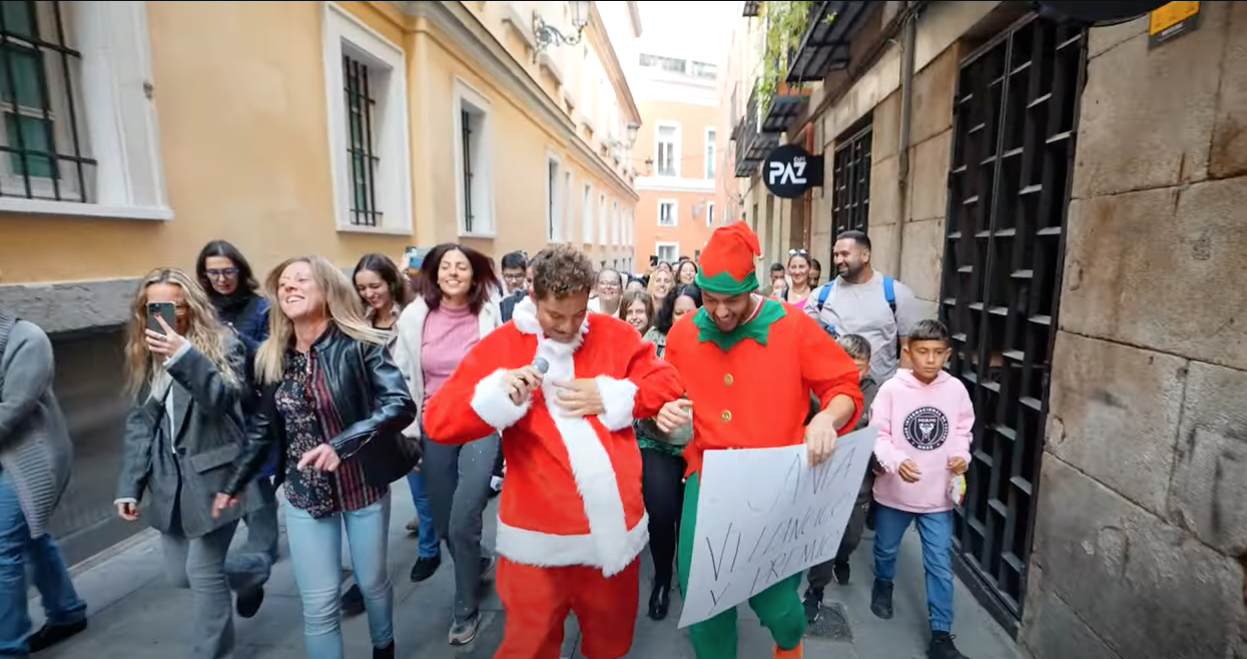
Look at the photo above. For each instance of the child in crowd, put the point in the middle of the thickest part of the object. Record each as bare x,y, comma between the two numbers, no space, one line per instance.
858,349
926,420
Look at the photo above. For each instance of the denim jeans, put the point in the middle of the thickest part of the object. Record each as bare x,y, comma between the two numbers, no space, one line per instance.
429,544
936,532
252,563
316,557
47,569
458,477
199,564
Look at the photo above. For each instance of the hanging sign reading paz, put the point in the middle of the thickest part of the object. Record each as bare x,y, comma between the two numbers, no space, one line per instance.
790,170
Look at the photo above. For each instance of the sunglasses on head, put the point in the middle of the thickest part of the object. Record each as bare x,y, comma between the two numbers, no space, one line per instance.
798,252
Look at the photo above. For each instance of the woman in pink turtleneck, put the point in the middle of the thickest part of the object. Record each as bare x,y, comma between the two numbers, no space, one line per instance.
456,307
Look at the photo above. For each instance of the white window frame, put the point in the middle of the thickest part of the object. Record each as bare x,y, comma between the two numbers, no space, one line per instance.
616,224
484,221
116,115
586,211
676,147
675,212
711,153
709,213
554,203
603,221
675,248
342,33
568,219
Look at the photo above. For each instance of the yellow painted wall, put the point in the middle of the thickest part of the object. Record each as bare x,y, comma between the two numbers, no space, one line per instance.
239,91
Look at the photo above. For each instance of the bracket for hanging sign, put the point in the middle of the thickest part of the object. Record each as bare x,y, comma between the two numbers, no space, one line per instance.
1171,21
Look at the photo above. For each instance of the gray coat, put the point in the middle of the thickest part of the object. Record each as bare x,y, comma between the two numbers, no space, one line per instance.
35,451
184,473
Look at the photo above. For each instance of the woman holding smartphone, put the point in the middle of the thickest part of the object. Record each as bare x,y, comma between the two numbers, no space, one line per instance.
182,435
335,405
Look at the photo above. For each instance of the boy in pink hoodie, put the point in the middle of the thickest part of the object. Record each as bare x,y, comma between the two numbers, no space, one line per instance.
923,444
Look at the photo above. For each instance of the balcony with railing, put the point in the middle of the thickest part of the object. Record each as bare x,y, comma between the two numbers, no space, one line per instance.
752,144
825,45
783,106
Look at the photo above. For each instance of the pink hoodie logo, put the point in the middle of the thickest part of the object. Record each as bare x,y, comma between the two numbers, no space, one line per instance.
926,428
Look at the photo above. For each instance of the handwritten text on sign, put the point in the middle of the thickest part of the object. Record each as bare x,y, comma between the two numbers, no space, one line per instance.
764,515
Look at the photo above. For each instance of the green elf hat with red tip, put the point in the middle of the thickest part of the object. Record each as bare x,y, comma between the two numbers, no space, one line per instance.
727,263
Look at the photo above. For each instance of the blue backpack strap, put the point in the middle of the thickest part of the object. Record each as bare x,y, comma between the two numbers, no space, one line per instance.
823,292
889,292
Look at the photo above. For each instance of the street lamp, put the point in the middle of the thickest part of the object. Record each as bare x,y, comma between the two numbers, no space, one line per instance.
633,127
547,35
649,166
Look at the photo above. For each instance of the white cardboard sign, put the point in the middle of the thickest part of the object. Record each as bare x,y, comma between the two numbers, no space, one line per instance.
764,515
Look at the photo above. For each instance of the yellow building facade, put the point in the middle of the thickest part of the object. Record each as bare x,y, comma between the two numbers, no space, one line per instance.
336,128
135,132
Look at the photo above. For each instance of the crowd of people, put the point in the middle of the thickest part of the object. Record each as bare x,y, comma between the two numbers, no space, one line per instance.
587,397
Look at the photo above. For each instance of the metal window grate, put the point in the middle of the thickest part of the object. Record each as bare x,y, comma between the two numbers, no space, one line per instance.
1013,147
466,137
361,116
850,210
41,137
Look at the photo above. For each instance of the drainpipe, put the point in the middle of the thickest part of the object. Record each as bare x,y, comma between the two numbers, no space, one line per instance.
807,231
907,101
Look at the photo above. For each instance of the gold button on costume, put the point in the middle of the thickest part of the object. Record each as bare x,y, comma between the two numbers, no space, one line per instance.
727,379
726,416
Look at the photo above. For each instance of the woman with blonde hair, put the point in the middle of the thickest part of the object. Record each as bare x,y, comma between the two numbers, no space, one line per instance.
335,404
182,435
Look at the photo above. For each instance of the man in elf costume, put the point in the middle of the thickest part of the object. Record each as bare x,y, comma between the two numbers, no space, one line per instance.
749,364
562,386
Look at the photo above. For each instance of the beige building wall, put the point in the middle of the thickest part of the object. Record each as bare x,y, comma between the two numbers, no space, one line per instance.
203,120
229,120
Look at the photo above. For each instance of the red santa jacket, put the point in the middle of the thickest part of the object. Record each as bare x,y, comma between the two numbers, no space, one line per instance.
573,493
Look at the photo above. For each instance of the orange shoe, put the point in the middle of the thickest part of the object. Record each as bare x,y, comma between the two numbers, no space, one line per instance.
781,653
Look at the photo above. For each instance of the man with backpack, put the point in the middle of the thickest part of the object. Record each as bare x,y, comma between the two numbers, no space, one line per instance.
881,310
864,302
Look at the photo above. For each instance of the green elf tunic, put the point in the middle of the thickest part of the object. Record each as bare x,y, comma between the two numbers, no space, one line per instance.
750,388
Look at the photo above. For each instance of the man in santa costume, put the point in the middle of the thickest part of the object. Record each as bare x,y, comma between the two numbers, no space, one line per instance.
749,364
562,386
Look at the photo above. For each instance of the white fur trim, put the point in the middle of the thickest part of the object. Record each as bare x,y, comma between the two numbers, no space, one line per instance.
618,400
590,463
550,550
493,404
525,317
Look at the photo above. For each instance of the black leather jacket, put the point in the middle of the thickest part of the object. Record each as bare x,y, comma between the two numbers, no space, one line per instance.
370,396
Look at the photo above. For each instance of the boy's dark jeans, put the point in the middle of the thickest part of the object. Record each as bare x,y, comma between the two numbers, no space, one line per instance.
820,575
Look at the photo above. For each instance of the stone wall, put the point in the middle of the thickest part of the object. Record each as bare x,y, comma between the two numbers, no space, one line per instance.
1142,514
907,234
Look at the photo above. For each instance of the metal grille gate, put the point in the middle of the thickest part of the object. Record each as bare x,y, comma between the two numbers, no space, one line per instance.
1014,128
850,180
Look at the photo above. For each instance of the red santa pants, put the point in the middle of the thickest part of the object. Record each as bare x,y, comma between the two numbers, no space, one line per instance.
537,600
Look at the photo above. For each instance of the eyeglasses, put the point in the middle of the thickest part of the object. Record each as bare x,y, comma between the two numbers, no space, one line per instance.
222,273
798,252
513,278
